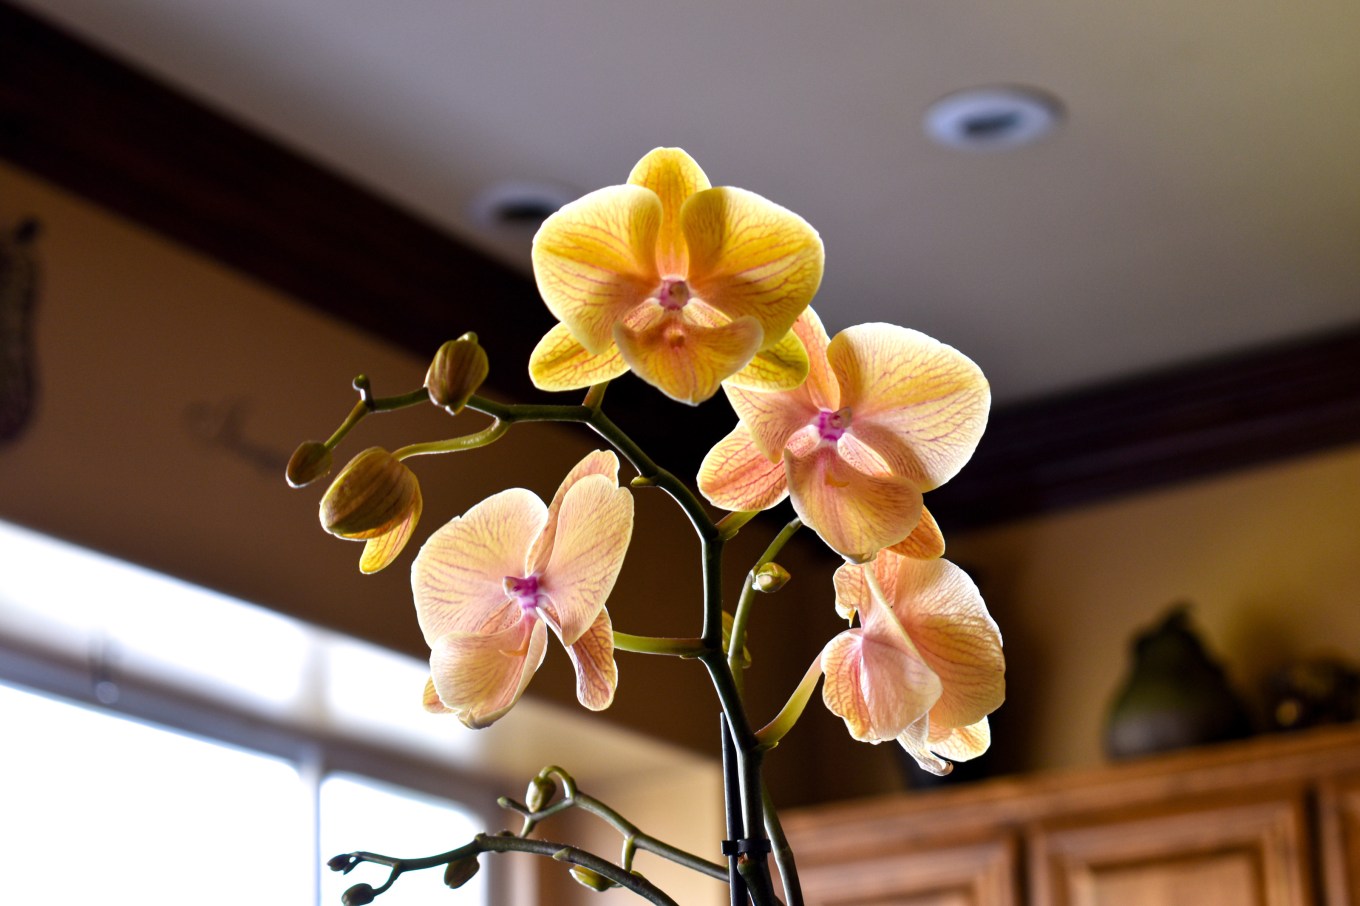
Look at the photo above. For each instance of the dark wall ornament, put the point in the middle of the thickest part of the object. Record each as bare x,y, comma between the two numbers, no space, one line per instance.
18,302
1176,695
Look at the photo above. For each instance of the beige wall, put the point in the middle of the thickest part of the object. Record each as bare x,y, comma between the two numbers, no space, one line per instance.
1269,558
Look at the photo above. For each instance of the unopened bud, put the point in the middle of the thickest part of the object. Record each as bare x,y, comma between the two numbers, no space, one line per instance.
540,793
310,461
358,895
461,871
592,879
771,577
369,496
458,369
342,862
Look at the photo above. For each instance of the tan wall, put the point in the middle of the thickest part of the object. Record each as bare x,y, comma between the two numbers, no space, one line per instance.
1269,559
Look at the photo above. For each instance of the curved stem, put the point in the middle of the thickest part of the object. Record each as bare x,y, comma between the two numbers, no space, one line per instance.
770,735
492,433
642,644
486,843
748,594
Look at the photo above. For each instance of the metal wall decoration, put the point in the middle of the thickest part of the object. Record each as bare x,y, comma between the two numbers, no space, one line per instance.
18,300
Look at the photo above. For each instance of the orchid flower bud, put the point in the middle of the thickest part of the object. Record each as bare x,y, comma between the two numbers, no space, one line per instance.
458,369
374,499
592,879
770,578
540,793
461,871
370,495
310,461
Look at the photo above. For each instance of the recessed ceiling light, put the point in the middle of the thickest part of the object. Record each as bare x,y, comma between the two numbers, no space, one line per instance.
518,203
992,118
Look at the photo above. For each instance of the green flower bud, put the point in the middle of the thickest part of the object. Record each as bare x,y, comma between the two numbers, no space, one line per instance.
458,369
370,495
358,895
310,461
592,879
540,793
771,577
461,871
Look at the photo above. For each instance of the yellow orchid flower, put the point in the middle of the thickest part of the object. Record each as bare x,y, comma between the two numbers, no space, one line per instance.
885,414
490,583
924,666
685,284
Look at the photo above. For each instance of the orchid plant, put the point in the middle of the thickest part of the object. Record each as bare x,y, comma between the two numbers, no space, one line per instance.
693,289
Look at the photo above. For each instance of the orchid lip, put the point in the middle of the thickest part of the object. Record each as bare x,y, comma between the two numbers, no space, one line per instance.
673,293
525,592
831,425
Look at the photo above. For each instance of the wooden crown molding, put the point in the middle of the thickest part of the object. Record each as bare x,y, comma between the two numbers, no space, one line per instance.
83,120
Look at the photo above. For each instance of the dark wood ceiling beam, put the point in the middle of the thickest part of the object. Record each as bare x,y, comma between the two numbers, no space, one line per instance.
81,119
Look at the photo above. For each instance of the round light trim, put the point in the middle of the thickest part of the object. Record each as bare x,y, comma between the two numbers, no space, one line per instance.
992,119
518,203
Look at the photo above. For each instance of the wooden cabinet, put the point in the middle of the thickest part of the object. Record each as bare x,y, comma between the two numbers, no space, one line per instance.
1270,822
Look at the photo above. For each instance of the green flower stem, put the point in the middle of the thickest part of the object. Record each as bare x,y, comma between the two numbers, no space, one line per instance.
500,843
783,853
633,838
493,433
748,594
770,735
729,525
369,403
642,644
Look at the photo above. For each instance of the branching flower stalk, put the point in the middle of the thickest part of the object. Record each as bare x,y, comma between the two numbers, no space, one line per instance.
693,289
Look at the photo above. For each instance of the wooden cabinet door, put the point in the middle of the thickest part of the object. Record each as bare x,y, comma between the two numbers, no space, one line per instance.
974,874
1339,815
1221,852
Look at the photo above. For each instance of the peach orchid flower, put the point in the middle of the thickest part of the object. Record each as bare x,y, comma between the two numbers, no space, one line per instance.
885,414
924,666
490,583
685,284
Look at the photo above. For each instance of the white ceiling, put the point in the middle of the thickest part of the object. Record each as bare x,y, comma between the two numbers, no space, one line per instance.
1202,197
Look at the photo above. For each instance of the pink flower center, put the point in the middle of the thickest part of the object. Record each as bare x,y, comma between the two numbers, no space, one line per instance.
831,425
673,293
525,591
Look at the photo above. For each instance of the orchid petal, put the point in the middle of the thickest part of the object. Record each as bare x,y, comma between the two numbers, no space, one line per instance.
596,462
430,699
735,475
597,675
856,514
459,575
559,362
853,593
674,176
595,260
915,740
962,743
683,358
772,418
943,612
783,366
594,527
379,552
876,683
920,404
749,257
821,387
926,541
480,677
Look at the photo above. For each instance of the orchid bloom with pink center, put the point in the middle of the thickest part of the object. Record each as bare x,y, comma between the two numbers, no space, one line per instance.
885,414
490,583
924,666
685,284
